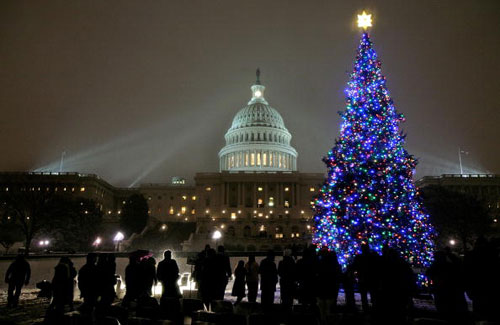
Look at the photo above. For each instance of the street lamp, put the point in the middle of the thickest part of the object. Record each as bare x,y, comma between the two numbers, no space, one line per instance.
118,238
216,236
97,242
452,242
44,243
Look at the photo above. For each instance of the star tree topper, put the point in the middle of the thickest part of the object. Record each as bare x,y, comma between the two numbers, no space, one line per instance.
364,20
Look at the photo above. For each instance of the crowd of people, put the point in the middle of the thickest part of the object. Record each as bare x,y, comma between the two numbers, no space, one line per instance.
386,282
314,280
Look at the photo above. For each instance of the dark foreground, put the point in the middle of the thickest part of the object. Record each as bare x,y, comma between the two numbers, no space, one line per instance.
31,310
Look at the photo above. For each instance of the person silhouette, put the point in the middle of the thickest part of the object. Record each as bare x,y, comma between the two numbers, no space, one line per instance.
132,280
328,283
222,273
63,285
268,279
252,268
397,286
148,275
106,268
17,275
168,274
286,272
87,282
207,287
198,267
306,273
366,266
482,269
239,282
448,288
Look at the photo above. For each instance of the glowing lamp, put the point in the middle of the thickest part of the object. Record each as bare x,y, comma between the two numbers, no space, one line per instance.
257,93
364,20
216,235
119,236
97,241
452,242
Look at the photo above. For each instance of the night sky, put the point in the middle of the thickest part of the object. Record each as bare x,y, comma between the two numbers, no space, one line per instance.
140,91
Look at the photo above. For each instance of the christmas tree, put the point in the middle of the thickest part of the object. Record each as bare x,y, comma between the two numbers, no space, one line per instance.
369,195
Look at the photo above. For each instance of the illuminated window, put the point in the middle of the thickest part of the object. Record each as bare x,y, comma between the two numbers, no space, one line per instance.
287,189
271,202
6,189
271,159
264,159
184,197
286,211
109,211
239,211
223,211
302,212
207,211
252,159
312,189
287,204
82,189
233,215
260,214
171,210
193,198
123,202
259,189
208,189
279,232
193,211
258,159
64,189
246,159
119,211
262,228
183,210
149,198
72,189
260,203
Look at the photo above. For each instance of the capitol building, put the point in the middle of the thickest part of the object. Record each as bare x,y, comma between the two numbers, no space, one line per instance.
257,200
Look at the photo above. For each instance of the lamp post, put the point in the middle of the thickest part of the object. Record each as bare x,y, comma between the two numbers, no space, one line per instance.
216,236
97,242
118,238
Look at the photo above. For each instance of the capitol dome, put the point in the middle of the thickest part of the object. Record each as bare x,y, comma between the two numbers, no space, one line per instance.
258,139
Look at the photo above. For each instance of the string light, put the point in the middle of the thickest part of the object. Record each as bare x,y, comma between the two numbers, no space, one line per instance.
369,195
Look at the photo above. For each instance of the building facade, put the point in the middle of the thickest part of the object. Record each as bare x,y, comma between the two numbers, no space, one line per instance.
485,187
257,200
